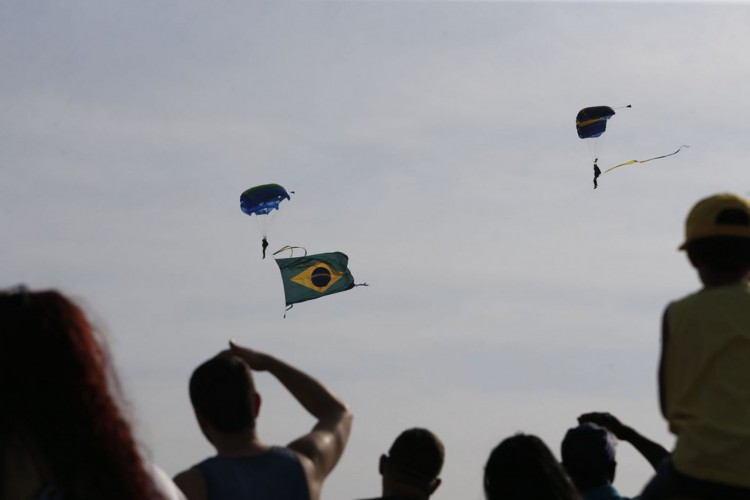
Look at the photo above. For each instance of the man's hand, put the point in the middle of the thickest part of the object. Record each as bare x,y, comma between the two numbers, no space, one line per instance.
257,361
609,422
651,451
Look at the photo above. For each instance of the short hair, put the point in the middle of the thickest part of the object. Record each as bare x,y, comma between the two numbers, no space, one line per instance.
417,454
222,391
588,454
523,467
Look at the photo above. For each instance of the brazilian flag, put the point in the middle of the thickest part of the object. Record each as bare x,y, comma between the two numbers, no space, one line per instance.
313,276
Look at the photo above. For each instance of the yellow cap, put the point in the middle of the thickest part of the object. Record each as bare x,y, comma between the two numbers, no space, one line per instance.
709,218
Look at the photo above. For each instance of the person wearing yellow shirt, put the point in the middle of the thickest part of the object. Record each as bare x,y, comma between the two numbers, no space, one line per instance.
704,371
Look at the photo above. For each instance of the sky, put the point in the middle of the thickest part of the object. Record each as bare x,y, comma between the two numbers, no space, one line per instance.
433,143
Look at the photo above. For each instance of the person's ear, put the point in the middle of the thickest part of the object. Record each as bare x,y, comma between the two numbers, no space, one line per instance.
205,426
256,404
202,421
695,262
382,464
612,470
434,484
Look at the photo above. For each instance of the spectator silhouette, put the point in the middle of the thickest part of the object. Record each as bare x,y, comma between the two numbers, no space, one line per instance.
411,468
589,455
62,432
227,405
522,467
704,369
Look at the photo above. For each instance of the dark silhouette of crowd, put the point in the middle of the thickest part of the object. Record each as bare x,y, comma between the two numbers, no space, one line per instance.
64,434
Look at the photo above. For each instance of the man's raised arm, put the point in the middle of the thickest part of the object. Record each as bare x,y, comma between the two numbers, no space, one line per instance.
325,443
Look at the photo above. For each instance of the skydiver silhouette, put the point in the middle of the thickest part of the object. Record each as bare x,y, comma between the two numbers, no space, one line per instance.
597,173
265,245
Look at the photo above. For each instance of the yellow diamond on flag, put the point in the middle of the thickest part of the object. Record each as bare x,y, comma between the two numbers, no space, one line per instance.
319,277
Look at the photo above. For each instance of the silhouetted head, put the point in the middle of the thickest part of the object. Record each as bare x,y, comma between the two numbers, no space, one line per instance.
717,234
414,460
522,467
49,356
59,396
223,393
588,454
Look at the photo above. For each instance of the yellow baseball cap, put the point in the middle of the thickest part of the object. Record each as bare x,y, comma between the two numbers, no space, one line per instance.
722,214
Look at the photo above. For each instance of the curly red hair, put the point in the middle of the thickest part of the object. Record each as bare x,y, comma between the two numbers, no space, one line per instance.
60,398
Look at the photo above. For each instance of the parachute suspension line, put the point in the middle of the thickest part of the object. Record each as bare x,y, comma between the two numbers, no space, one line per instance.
594,146
595,149
290,249
261,222
264,221
623,107
272,216
287,309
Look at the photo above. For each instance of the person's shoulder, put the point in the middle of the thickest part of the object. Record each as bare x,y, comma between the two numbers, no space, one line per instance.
688,301
191,483
164,484
289,458
710,294
603,492
283,453
390,497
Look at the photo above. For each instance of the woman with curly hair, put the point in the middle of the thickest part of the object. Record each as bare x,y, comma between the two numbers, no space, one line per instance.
62,432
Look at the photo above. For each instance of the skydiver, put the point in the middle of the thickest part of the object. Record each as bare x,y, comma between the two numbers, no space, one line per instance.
265,245
597,173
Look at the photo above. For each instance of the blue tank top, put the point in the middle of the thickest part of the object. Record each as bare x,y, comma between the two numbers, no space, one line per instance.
275,475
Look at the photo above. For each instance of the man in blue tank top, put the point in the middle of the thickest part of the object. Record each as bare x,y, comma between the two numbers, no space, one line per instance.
226,405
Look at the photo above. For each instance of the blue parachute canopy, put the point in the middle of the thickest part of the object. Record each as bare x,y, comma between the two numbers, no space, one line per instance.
263,199
592,122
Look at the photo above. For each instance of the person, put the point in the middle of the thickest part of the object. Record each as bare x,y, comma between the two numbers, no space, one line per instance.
589,456
411,469
704,370
597,173
226,405
63,434
522,467
264,244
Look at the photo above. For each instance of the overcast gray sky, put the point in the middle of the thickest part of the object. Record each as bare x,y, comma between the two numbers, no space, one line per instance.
432,142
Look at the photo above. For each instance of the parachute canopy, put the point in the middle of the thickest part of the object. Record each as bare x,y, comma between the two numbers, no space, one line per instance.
592,122
260,200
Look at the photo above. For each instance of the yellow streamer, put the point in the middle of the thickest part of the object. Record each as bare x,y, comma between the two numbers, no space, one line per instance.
644,161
